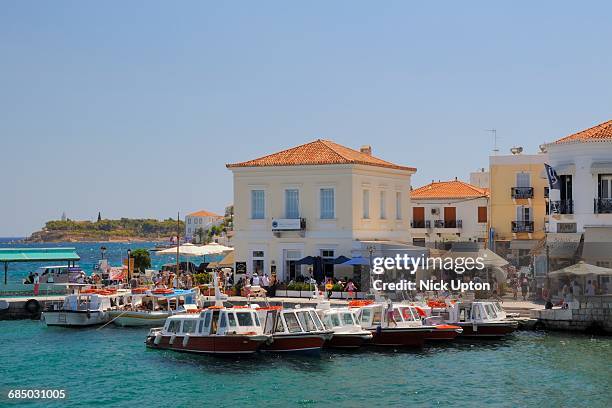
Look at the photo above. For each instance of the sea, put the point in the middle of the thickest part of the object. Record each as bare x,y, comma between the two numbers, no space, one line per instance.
111,367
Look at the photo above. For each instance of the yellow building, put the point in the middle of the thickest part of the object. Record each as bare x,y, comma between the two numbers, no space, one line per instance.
518,201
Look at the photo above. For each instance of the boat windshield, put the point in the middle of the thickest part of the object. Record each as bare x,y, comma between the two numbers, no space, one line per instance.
316,319
332,320
407,314
292,322
306,321
347,319
173,325
246,319
189,326
232,319
490,311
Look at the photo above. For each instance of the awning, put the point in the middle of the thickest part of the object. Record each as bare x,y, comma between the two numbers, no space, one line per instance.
38,254
581,269
601,167
523,243
227,261
565,168
562,245
597,244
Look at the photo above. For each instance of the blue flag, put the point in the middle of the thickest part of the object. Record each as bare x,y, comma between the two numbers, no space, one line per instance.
553,179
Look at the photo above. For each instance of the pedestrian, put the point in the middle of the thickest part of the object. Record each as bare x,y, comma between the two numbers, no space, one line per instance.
390,315
590,289
265,282
515,285
255,281
36,283
524,287
351,288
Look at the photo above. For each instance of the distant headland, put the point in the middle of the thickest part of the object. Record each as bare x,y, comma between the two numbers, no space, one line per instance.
124,229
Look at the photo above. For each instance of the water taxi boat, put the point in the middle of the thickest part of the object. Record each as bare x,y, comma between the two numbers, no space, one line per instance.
293,330
148,308
88,307
399,325
481,319
216,330
347,333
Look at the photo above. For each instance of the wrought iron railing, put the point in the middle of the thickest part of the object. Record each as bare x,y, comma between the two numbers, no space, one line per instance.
602,206
562,207
522,226
521,192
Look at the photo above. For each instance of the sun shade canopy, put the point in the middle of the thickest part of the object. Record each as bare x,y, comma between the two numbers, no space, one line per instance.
38,254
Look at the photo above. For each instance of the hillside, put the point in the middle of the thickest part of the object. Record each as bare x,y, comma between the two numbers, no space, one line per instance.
123,229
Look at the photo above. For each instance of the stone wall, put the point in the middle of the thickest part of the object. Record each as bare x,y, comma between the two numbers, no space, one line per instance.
586,313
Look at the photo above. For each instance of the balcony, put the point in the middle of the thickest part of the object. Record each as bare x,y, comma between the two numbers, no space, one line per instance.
602,206
522,226
448,224
562,207
420,224
521,192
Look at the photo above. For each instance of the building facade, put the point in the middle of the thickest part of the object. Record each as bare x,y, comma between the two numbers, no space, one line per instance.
200,220
518,202
319,199
448,211
582,208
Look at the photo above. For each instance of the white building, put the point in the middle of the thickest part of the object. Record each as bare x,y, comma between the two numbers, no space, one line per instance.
200,219
448,211
319,199
583,205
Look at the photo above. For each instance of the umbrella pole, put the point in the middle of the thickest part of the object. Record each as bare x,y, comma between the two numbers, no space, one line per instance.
178,241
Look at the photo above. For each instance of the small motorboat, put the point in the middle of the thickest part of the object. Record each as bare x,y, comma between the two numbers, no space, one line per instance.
392,324
481,319
216,330
152,308
343,322
298,330
88,307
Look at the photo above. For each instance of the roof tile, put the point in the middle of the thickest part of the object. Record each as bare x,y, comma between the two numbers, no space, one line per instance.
601,132
448,189
318,152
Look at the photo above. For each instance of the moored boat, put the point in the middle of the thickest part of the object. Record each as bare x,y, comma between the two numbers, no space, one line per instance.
87,308
347,333
298,330
216,330
481,319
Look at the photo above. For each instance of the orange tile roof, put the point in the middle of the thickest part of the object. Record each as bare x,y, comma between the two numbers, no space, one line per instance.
204,213
598,133
319,152
448,189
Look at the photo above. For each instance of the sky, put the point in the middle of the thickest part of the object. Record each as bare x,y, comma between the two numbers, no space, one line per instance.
133,108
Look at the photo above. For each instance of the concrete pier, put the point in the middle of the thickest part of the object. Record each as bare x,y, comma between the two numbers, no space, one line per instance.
588,313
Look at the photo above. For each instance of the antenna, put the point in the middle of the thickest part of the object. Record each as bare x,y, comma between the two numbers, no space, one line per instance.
494,134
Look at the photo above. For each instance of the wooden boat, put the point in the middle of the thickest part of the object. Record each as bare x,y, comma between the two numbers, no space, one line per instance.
216,330
298,330
89,307
347,333
481,319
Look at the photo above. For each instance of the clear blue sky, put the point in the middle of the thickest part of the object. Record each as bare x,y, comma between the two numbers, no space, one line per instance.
133,108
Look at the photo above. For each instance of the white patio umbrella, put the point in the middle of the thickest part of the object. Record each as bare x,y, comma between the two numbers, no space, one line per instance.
581,269
196,250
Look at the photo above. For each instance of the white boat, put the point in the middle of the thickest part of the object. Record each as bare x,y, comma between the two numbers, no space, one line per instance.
86,308
152,309
59,274
343,322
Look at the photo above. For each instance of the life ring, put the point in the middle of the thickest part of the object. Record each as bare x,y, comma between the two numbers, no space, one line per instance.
139,291
32,306
359,303
163,291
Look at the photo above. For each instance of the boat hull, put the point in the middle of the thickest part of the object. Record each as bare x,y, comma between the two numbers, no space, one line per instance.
138,319
399,337
295,343
74,318
444,333
230,344
492,329
348,340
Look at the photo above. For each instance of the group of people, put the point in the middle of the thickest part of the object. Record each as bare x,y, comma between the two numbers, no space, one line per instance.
168,280
522,283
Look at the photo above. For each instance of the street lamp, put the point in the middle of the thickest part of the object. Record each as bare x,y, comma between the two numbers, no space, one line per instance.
129,254
103,250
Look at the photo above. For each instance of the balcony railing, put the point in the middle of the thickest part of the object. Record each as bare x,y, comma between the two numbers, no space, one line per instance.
522,226
562,207
448,224
602,206
521,192
417,224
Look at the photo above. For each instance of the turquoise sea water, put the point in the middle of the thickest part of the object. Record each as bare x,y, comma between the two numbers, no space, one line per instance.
90,254
112,367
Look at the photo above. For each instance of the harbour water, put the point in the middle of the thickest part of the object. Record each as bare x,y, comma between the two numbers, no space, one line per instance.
112,367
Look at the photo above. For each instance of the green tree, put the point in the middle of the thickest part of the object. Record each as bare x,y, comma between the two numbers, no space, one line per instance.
142,259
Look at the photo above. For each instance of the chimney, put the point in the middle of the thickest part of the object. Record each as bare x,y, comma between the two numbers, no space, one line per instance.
367,149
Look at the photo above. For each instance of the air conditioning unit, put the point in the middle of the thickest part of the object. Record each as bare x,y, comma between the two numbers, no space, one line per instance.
435,211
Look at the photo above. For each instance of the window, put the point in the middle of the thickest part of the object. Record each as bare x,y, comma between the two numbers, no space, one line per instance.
327,203
418,242
365,316
523,180
207,321
189,326
232,319
366,204
605,186
482,214
258,262
383,205
398,205
377,315
327,253
523,213
331,320
347,319
245,319
292,323
306,321
223,322
292,203
188,220
316,319
258,204
174,326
